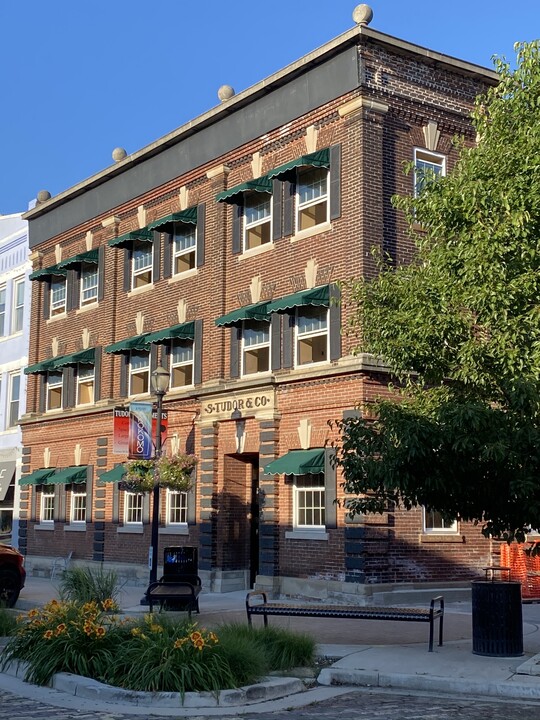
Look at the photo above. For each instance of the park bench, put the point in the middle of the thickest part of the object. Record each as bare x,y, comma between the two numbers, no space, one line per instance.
261,606
175,594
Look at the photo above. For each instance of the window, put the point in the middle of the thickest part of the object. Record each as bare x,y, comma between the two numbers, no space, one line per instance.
311,335
46,514
85,384
309,501
184,247
133,508
3,329
427,167
18,305
176,507
141,263
311,198
434,523
55,382
89,284
58,295
181,363
255,347
139,372
78,503
257,219
14,396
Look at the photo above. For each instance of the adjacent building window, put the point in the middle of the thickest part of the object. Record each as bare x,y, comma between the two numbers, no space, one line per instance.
176,507
255,347
309,501
141,263
427,167
311,335
139,372
89,284
78,503
14,398
3,329
312,207
257,219
18,305
435,523
55,381
184,247
46,514
133,508
58,295
181,363
85,384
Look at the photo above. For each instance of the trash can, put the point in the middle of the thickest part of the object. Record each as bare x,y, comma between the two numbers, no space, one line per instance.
179,562
497,622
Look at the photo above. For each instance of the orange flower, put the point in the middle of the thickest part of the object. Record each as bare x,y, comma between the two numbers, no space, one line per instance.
61,628
88,627
100,632
33,613
48,634
108,604
199,643
195,636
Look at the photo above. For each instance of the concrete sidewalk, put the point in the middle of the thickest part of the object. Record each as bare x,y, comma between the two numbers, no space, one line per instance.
366,652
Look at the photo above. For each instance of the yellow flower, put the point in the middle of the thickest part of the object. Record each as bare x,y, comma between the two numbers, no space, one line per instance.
100,632
88,628
136,632
48,634
195,636
156,628
33,613
178,643
61,628
199,643
108,604
213,637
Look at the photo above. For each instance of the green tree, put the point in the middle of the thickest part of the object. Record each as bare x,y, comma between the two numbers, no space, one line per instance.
459,329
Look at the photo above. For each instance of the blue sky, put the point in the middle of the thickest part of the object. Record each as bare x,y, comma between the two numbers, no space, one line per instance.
79,79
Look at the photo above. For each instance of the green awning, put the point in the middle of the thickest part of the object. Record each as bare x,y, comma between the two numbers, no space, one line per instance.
319,296
38,477
185,216
321,158
45,273
86,257
127,238
40,367
114,475
137,342
73,474
83,356
297,462
262,184
258,311
184,331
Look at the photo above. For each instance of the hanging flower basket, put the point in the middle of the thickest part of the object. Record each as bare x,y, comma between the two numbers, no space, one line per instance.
173,473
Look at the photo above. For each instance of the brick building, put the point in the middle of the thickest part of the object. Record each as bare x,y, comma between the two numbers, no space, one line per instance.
216,252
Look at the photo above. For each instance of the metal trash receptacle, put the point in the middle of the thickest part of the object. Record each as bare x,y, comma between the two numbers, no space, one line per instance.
497,619
180,561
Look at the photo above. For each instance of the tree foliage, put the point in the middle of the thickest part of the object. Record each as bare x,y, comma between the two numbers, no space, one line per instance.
460,330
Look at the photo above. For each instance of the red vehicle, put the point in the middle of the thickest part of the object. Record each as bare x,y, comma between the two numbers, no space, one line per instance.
12,575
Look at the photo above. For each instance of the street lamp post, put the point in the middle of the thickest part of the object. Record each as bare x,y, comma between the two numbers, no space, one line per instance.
160,385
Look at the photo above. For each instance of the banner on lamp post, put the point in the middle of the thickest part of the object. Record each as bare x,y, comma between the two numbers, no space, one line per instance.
141,446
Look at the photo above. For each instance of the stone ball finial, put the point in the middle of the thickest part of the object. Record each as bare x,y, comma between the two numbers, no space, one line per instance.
362,14
118,154
43,196
225,92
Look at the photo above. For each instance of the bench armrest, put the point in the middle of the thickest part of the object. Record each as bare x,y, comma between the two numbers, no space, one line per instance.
256,593
439,599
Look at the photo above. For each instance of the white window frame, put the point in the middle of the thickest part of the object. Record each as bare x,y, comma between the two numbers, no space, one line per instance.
428,159
316,199
46,505
138,274
429,526
256,227
182,364
17,310
133,504
85,380
303,485
140,371
78,504
176,501
58,299
52,386
3,326
254,347
187,253
89,290
308,335
11,420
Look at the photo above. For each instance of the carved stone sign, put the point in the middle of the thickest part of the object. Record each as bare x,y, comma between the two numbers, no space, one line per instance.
238,405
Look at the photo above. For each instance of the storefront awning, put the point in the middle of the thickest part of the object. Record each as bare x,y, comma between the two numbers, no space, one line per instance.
73,474
83,356
137,342
114,475
90,257
38,477
262,184
40,367
319,296
297,462
321,158
127,238
185,216
183,331
258,311
45,273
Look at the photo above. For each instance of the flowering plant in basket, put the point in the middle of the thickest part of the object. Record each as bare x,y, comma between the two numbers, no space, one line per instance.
173,472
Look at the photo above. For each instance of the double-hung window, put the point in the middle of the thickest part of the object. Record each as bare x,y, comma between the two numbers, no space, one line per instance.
85,383
309,501
176,507
428,166
3,328
311,335
55,382
435,523
18,306
257,219
255,347
141,263
14,398
58,295
89,284
139,372
46,514
312,206
78,503
181,363
133,508
184,247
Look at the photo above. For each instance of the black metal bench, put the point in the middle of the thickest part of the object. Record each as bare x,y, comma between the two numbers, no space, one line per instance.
177,594
428,615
